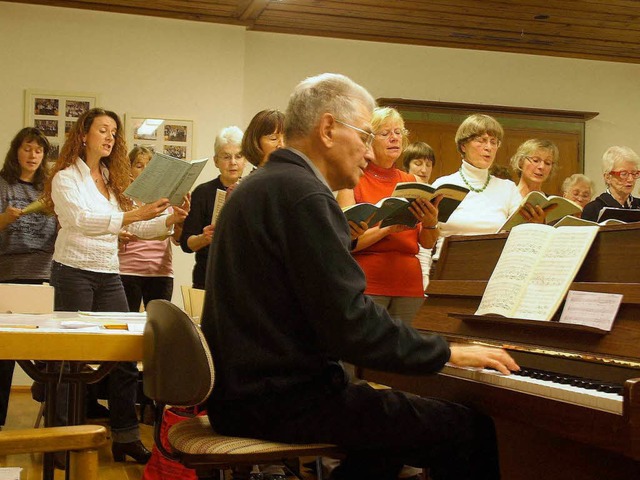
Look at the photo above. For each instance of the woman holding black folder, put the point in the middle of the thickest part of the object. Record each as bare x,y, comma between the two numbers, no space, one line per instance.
86,192
620,171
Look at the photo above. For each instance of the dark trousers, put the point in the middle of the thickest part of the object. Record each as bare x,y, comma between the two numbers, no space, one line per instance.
380,430
6,377
76,290
7,366
145,289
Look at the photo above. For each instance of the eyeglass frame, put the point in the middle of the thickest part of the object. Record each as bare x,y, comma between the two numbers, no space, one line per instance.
538,161
370,135
619,173
399,132
486,141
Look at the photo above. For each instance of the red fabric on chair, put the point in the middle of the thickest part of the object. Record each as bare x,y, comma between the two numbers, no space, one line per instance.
160,467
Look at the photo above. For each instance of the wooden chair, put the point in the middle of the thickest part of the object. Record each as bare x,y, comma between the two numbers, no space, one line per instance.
179,371
193,301
82,441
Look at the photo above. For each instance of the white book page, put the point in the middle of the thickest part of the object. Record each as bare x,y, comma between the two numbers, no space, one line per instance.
221,197
554,272
508,281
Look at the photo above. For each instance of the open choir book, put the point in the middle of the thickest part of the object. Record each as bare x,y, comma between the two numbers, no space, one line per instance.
165,177
535,270
394,210
563,207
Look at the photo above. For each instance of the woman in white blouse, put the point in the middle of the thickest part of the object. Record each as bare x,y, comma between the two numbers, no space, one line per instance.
490,200
86,190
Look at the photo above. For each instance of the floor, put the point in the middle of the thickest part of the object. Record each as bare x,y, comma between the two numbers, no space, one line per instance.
22,414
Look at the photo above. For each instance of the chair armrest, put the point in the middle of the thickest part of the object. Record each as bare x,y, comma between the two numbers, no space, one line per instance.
53,439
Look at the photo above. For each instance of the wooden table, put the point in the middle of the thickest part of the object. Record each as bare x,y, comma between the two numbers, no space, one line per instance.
43,338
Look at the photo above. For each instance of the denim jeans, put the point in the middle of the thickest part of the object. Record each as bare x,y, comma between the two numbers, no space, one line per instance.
76,290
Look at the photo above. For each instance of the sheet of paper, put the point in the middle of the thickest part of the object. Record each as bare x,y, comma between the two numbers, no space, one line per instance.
592,309
221,197
10,473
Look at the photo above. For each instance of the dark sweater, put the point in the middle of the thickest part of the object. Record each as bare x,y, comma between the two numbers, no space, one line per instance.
202,200
592,209
285,297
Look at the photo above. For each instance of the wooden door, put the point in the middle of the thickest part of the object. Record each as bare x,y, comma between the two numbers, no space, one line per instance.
436,124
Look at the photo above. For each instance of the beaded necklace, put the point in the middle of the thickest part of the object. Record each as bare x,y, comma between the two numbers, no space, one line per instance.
477,190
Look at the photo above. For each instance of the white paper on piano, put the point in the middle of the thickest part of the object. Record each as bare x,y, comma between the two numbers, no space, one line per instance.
10,473
593,309
77,324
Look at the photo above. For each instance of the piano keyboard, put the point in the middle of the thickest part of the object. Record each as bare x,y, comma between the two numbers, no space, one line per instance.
607,399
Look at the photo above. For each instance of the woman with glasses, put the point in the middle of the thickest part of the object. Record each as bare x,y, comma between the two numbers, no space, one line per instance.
490,200
197,231
534,162
578,188
388,255
620,167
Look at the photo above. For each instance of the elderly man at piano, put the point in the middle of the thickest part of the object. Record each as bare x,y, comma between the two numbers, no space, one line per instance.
280,377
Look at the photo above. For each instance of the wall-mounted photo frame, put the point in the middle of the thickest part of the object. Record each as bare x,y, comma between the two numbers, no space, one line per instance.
163,135
54,113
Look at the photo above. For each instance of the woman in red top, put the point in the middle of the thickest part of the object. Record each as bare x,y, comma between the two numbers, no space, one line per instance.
388,255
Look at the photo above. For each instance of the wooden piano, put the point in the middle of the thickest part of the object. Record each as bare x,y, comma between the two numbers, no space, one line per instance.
547,429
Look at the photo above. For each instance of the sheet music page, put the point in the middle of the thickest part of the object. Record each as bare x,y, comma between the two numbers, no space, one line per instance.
555,271
521,252
221,197
188,179
535,269
160,178
592,309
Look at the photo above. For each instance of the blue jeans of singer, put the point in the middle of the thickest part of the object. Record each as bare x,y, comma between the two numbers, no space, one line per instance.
75,290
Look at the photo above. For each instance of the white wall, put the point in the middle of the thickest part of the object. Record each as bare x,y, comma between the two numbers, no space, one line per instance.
217,75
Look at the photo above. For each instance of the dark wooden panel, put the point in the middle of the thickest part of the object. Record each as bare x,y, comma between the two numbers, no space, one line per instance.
581,29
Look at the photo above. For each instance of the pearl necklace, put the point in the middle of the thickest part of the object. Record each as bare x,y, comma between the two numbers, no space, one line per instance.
477,190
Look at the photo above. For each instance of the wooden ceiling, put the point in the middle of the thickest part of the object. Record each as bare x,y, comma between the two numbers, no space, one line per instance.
592,29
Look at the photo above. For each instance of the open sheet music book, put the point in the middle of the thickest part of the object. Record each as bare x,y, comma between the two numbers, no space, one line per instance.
564,207
535,270
394,210
626,215
165,177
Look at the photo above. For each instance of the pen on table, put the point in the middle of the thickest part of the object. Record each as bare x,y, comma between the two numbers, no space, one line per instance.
19,326
116,326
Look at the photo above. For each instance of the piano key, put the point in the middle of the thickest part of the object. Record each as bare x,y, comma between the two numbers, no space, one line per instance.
522,382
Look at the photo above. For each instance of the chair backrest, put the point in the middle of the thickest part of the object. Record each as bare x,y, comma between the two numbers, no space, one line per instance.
193,301
196,297
178,367
26,298
186,299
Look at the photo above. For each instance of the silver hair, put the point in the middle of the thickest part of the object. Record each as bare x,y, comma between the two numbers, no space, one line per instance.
326,93
228,135
569,182
618,154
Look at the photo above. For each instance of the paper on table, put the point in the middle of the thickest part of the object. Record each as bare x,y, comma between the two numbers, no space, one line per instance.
77,324
133,315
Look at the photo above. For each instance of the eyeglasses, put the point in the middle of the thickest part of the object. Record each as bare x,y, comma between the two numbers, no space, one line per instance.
227,157
623,174
366,137
398,132
537,161
491,141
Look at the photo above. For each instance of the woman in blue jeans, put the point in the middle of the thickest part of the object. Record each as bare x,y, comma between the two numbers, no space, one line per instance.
86,191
